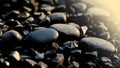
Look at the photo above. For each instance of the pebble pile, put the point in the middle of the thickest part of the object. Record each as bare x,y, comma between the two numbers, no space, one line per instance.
56,34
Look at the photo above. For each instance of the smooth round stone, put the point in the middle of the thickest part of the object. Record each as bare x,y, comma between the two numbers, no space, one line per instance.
42,36
11,36
98,44
81,19
74,24
66,29
96,11
80,7
58,17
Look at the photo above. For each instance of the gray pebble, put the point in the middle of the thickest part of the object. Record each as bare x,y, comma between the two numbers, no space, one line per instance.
42,36
66,29
98,44
12,36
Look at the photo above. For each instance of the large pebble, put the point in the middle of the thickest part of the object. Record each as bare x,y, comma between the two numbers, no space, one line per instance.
42,36
66,29
12,36
81,19
98,44
98,13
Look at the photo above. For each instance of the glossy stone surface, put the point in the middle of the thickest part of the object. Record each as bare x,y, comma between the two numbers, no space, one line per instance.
11,36
42,36
58,17
58,34
66,29
98,44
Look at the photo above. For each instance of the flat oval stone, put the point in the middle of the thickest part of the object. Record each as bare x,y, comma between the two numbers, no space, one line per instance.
98,44
42,36
96,11
81,19
11,36
66,29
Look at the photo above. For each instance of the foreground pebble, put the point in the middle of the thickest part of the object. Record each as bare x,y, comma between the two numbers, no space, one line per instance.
42,36
98,44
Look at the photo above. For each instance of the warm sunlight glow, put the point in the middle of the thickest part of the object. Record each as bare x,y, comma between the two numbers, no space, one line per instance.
112,6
